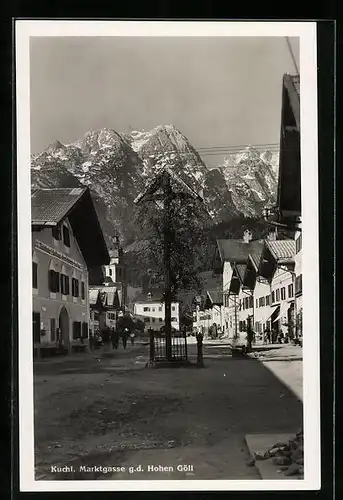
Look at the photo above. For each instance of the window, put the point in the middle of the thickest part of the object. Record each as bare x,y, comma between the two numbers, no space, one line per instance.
146,320
273,296
52,329
146,309
173,308
298,244
160,308
251,301
283,293
173,319
153,309
83,290
260,302
76,330
64,284
277,295
263,301
267,300
110,272
34,275
66,236
85,330
290,291
160,320
256,303
153,320
75,287
56,232
54,281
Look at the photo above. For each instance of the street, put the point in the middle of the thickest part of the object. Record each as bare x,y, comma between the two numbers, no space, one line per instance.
108,409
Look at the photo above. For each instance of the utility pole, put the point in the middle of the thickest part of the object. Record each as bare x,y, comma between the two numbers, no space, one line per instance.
167,243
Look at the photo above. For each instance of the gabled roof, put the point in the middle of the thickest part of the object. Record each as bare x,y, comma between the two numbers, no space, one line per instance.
156,295
255,259
282,250
107,295
240,268
49,207
238,250
215,296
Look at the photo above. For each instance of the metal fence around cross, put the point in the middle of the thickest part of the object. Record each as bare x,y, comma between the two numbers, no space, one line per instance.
158,347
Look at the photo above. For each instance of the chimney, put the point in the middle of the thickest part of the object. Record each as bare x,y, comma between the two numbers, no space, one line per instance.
247,236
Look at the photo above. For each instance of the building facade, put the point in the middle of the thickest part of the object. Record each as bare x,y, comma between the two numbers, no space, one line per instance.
61,258
149,307
105,304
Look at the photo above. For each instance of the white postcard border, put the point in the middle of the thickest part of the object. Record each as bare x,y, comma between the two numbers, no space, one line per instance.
309,161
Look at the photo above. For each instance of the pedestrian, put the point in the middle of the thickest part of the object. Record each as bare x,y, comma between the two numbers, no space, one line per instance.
267,336
132,338
114,338
274,335
124,337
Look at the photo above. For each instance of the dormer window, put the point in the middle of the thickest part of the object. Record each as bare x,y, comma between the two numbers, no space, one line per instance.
56,232
66,236
149,295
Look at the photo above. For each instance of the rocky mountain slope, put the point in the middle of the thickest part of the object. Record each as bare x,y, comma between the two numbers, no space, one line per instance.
117,166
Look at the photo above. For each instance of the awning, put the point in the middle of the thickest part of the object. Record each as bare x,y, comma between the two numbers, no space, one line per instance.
283,310
275,314
268,314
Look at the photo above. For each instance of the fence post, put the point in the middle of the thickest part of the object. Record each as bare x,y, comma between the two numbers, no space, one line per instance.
185,338
200,360
152,347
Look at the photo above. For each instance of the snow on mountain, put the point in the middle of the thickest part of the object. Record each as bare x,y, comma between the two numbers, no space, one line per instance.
117,166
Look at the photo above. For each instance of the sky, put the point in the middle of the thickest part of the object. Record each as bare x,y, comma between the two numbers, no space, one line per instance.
216,90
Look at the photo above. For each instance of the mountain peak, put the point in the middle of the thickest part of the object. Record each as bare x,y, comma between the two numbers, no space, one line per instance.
55,146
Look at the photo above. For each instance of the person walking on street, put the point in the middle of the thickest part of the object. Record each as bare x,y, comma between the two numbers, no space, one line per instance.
124,337
114,338
250,336
132,338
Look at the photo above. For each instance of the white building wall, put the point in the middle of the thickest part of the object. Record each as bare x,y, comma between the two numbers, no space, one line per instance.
263,312
228,315
244,312
48,252
154,317
282,279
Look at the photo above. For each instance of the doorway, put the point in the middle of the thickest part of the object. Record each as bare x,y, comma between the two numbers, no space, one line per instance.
64,327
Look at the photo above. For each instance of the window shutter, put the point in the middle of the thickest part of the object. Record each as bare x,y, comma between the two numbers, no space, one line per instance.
77,288
82,290
51,280
67,285
34,274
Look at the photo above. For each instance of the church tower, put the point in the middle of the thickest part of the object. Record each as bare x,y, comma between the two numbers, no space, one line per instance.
116,270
